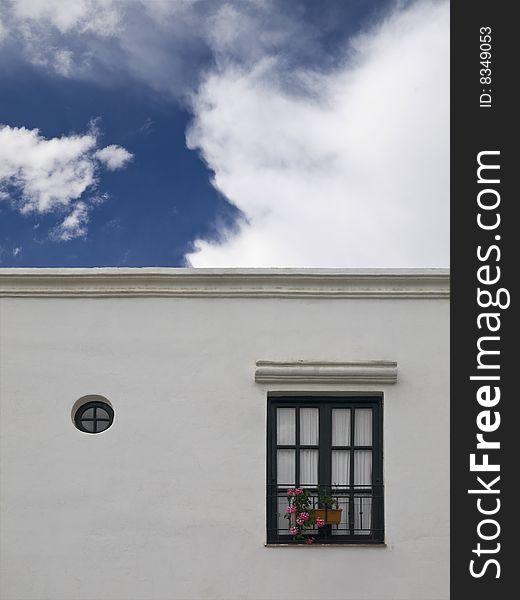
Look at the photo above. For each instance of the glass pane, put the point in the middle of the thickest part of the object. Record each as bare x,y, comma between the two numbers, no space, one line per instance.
88,414
363,467
102,413
343,528
102,425
88,425
285,426
283,522
285,467
340,467
309,426
362,515
363,427
341,426
308,467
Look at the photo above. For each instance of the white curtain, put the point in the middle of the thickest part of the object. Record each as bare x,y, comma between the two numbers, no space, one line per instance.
362,515
363,467
309,467
363,427
285,467
340,467
343,527
341,427
309,426
283,523
285,426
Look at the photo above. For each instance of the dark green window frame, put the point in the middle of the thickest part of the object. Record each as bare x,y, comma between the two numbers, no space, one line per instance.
351,497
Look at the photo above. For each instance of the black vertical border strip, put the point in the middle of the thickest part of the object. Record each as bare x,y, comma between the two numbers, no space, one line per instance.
474,129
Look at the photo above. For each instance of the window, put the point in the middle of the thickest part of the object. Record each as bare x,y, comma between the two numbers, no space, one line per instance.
94,417
332,448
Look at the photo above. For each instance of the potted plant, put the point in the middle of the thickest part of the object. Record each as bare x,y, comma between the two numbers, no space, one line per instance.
301,515
328,510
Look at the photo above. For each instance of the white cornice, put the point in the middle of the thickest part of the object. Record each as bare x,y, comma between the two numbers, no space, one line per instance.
301,371
226,283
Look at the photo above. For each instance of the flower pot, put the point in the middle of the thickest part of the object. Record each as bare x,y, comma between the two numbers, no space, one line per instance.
331,516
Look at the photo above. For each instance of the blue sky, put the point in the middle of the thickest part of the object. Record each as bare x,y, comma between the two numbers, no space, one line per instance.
223,133
158,203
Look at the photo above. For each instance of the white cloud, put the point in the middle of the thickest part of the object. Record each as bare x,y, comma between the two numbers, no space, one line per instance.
113,157
96,16
90,39
17,250
58,34
40,175
63,62
160,43
49,173
73,225
355,172
3,31
342,168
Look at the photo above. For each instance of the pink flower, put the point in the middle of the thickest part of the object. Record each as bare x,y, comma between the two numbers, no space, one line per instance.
309,540
290,492
320,522
298,491
303,517
294,531
290,509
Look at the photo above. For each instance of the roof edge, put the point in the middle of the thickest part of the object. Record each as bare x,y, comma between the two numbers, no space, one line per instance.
225,283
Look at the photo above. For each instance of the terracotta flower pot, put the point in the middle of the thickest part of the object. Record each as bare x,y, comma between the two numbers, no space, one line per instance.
331,516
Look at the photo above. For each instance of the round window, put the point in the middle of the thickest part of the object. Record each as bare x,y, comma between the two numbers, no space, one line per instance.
94,417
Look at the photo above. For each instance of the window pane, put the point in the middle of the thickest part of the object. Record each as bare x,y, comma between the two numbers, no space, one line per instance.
88,425
285,467
363,467
283,522
102,413
102,425
362,515
343,528
363,427
340,467
309,426
341,427
88,414
308,467
285,426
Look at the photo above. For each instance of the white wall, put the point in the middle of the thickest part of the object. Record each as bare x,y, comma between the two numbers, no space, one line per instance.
169,503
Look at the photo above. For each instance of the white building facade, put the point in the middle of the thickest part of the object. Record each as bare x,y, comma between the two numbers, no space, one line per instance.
152,421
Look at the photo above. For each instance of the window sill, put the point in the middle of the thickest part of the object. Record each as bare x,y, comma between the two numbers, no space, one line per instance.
375,545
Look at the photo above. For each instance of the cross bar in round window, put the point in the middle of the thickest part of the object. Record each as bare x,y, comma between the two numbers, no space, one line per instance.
94,417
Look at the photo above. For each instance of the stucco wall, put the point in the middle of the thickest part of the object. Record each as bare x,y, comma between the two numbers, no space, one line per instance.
169,503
